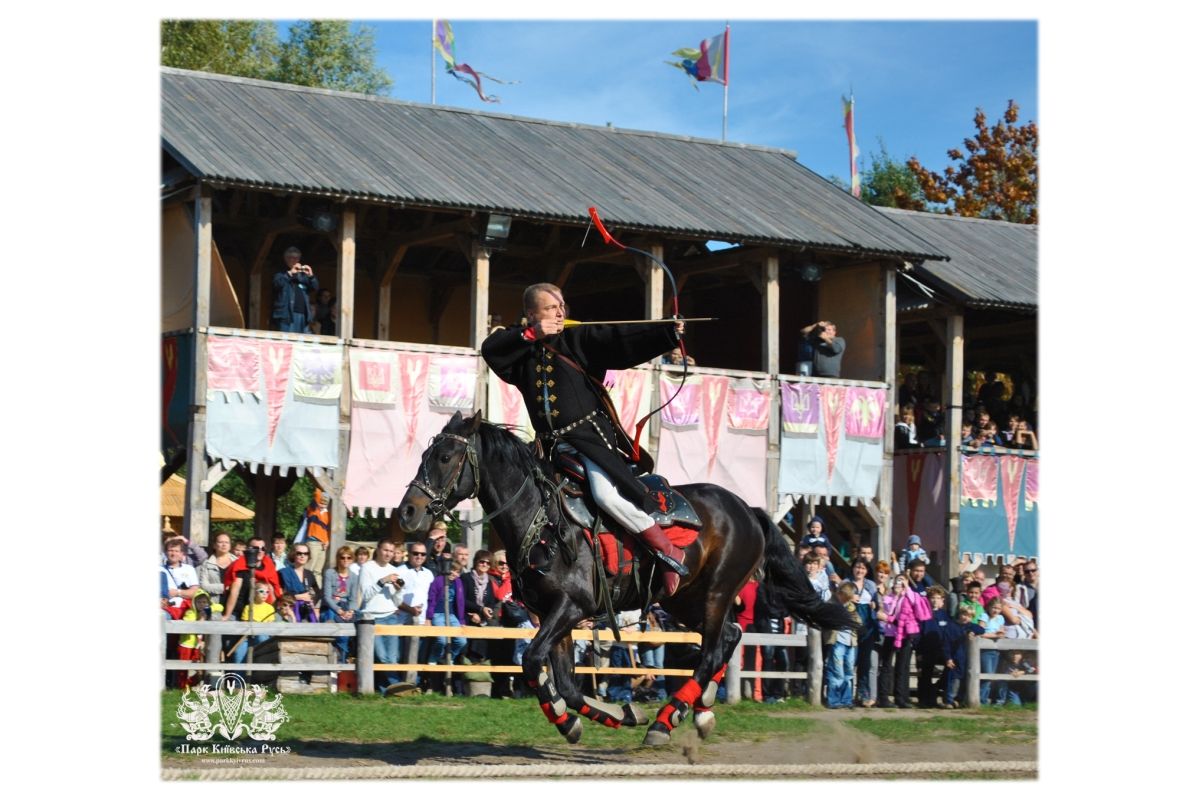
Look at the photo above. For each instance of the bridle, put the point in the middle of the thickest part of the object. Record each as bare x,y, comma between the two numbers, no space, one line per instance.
438,497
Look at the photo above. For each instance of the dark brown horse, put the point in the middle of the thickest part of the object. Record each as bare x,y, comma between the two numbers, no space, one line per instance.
474,458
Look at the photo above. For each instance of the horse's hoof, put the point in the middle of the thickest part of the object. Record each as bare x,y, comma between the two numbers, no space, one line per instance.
657,736
571,729
633,716
709,698
705,722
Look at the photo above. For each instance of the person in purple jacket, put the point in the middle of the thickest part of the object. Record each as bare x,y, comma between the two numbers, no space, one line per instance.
436,614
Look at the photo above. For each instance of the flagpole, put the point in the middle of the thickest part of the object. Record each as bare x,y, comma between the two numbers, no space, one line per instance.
725,111
433,65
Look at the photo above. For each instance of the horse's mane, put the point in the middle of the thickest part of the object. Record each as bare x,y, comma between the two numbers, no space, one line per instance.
498,440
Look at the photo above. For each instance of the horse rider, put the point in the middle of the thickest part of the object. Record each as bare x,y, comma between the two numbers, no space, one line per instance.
560,374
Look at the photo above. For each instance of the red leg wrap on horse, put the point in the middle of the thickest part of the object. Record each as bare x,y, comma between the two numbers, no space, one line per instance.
550,714
689,692
720,673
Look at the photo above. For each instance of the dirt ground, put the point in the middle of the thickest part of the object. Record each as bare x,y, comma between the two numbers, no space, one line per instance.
833,742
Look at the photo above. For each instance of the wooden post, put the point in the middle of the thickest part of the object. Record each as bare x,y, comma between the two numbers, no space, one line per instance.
364,665
953,392
770,352
652,275
972,672
265,502
733,676
480,284
882,533
345,271
816,666
195,512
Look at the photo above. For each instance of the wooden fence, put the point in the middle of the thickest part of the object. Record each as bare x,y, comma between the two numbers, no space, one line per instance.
221,635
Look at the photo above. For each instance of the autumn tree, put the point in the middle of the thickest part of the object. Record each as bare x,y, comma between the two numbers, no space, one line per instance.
329,54
997,178
887,182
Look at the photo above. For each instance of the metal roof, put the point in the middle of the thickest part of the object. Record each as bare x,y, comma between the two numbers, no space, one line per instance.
992,263
279,136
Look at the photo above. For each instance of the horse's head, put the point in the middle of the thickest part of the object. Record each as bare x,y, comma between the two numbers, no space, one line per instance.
449,473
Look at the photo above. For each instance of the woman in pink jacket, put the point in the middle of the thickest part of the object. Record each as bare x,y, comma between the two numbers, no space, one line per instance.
901,617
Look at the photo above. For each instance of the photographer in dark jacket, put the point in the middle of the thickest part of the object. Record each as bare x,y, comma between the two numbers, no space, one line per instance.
251,566
769,616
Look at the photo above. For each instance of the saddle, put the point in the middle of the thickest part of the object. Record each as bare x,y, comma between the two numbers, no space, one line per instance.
674,513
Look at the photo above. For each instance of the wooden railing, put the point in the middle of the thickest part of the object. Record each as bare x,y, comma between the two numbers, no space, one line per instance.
218,634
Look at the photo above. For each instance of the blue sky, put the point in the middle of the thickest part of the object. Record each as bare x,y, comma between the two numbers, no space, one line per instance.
916,83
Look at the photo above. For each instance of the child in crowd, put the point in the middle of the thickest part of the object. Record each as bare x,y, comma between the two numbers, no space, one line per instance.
258,609
913,552
1016,665
954,649
970,600
191,645
930,648
840,666
989,660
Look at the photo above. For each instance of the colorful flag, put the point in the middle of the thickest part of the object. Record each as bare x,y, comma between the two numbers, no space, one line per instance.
848,111
443,42
709,63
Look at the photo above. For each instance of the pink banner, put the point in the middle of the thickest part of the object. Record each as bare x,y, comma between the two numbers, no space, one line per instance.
1031,484
833,407
234,365
511,405
979,476
714,393
801,403
452,383
277,368
864,417
749,405
684,410
626,388
374,377
414,377
1012,470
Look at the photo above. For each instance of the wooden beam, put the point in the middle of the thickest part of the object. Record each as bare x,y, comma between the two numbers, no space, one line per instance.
652,274
936,326
216,472
480,260
952,390
767,281
882,531
564,275
722,259
383,324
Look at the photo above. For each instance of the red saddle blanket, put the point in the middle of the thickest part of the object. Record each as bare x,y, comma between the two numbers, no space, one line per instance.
616,551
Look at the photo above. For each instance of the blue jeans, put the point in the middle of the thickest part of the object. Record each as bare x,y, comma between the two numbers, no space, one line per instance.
438,648
387,649
239,653
295,323
868,672
521,645
839,675
989,661
340,643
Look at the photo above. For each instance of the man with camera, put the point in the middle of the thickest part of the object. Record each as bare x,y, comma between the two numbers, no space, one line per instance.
253,565
821,350
291,311
381,585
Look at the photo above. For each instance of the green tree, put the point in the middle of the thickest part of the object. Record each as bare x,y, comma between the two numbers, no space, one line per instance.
247,48
329,54
890,183
998,176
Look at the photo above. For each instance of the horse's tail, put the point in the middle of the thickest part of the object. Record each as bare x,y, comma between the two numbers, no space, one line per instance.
792,586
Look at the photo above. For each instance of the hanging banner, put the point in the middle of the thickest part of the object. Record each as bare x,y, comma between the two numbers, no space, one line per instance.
864,412
273,426
684,410
318,373
749,404
452,383
506,407
386,442
801,405
233,367
1031,484
979,475
630,393
816,458
374,377
1012,477
919,499
705,448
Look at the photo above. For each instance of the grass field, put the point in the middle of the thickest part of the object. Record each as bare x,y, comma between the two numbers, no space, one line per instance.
429,719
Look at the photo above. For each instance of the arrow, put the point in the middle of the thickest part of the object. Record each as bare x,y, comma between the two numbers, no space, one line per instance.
572,323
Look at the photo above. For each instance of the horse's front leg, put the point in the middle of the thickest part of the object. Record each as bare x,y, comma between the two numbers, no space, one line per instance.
716,644
562,660
555,629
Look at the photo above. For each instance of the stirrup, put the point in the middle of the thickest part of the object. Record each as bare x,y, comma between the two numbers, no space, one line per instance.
675,566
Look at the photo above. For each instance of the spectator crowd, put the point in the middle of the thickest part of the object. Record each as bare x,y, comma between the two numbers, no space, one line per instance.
920,418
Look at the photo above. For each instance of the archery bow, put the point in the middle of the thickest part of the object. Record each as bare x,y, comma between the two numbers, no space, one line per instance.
612,240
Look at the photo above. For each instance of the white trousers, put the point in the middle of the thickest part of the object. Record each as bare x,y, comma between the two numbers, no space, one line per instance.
605,493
